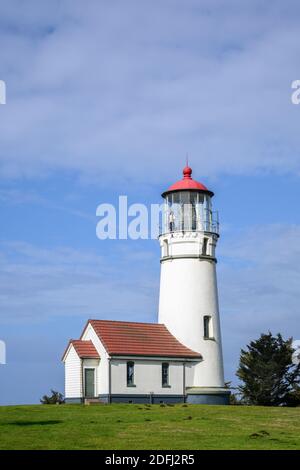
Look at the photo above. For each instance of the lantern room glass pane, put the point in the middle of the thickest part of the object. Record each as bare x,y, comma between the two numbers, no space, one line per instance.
189,211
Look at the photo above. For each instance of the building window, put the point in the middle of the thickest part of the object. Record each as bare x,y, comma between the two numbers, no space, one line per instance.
204,246
130,374
207,323
165,374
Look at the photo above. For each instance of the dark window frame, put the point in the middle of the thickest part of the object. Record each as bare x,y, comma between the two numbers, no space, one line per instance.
165,375
130,375
207,327
205,246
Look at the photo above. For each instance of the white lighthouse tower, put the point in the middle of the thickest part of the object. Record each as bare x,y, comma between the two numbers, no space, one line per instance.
188,303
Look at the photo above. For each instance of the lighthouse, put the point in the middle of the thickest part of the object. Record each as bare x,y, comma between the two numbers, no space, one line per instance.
178,359
188,300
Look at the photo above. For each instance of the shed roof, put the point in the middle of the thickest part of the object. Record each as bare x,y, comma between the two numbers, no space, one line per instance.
84,349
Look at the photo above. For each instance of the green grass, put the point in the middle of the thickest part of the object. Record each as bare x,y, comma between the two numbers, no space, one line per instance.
123,426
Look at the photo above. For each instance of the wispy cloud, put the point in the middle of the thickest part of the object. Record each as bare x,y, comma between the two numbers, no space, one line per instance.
17,197
115,89
40,283
114,92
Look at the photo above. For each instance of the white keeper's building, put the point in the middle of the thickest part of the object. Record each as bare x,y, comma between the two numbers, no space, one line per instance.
178,359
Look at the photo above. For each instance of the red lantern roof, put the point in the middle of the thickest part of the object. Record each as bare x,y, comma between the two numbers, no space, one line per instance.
188,184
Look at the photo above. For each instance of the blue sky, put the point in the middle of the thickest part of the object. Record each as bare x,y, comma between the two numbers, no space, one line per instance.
106,98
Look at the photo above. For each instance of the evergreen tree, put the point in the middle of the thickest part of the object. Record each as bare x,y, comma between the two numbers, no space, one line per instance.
267,372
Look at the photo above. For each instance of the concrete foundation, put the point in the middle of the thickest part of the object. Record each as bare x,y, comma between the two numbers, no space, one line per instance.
208,396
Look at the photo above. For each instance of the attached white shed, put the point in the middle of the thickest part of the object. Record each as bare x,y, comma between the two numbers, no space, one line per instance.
81,370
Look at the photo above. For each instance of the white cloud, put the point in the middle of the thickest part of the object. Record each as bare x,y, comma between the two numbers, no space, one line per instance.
38,283
115,90
118,89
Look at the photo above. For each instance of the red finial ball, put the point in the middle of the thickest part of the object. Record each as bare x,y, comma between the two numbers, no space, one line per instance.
187,172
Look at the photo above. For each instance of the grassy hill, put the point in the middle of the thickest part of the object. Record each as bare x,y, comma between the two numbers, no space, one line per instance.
148,427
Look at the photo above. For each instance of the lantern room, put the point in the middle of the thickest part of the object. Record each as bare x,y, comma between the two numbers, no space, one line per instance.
188,207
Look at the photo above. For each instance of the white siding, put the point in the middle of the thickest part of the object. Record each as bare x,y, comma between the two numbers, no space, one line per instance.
73,378
147,377
189,374
102,369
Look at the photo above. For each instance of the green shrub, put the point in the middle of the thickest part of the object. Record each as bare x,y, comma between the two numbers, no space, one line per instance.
55,399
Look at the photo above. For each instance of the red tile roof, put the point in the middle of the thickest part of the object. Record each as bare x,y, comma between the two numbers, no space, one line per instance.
139,339
84,349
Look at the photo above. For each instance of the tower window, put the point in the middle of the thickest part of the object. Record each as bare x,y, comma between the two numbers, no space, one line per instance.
165,374
130,374
207,327
204,246
165,248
